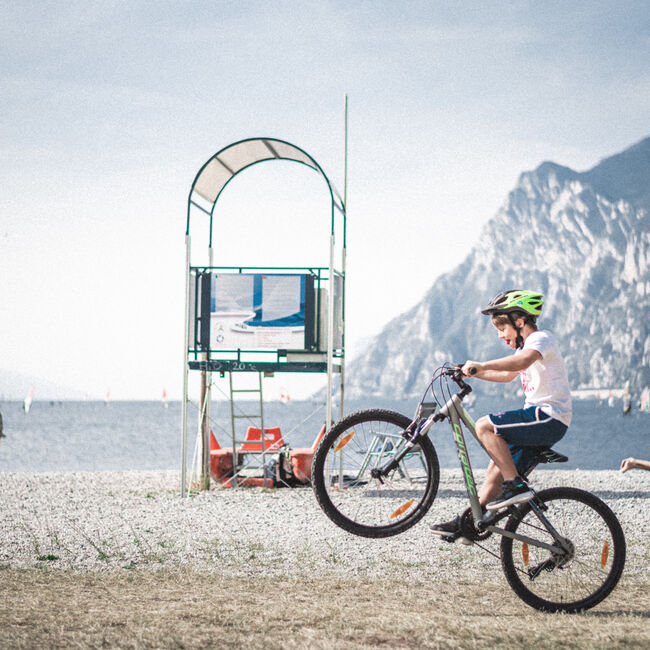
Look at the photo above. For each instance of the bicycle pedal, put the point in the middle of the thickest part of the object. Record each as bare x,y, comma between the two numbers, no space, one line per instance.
457,537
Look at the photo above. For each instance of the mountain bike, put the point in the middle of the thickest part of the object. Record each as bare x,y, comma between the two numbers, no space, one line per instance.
375,474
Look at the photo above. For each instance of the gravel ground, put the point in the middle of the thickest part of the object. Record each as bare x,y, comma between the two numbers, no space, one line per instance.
99,521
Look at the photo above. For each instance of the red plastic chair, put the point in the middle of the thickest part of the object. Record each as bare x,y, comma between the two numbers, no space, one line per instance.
221,460
253,441
301,459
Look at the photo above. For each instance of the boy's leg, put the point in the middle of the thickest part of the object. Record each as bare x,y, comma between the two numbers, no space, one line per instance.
491,487
518,431
522,430
514,489
492,484
497,447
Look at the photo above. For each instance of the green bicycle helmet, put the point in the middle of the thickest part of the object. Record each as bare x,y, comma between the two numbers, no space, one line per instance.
513,300
516,301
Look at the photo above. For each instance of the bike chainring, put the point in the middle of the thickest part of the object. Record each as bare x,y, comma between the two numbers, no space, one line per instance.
469,530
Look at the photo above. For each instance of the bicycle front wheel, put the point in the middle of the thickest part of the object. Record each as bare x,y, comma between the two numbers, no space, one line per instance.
351,497
581,575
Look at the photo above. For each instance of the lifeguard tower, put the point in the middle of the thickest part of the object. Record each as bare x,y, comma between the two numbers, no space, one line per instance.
257,320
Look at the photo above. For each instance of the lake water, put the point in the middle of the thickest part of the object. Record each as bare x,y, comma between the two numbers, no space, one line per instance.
79,436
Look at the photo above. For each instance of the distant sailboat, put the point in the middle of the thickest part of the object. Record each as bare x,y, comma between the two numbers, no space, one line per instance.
285,398
164,399
27,403
610,401
627,399
107,399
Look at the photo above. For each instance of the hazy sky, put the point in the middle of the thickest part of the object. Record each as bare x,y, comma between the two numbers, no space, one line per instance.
109,109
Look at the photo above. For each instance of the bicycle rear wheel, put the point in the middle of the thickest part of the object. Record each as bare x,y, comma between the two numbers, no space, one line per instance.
345,489
578,578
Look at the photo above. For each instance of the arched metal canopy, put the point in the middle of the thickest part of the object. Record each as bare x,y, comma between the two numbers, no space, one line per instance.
204,194
219,170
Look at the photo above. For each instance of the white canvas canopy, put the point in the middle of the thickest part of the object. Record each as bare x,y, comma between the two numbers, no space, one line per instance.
219,170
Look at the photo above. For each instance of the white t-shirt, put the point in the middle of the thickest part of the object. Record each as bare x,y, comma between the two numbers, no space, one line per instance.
545,382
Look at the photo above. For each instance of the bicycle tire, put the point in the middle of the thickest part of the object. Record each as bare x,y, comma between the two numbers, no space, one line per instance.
358,503
572,584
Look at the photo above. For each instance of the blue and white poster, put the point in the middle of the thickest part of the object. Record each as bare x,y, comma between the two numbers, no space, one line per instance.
256,311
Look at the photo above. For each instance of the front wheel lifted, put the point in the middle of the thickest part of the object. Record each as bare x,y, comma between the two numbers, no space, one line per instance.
590,553
354,494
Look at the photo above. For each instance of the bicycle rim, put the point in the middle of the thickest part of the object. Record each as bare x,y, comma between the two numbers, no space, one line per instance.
356,501
578,579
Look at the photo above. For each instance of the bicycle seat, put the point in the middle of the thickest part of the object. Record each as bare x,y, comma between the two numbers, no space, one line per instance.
548,455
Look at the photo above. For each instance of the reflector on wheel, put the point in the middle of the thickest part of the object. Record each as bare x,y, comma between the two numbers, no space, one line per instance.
604,555
344,441
402,509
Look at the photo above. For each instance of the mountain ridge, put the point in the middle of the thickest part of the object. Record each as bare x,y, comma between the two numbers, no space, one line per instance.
582,238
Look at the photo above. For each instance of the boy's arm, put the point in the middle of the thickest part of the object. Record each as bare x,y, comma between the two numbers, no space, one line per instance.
504,369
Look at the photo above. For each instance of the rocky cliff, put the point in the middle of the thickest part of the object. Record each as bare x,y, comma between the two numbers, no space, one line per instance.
583,239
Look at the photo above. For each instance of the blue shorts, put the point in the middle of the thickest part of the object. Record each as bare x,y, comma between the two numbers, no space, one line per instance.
524,430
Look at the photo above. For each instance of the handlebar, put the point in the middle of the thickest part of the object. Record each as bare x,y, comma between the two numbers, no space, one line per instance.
456,372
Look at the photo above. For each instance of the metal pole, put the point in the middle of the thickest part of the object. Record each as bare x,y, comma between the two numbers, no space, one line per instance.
204,430
343,259
259,378
185,368
235,457
207,380
330,334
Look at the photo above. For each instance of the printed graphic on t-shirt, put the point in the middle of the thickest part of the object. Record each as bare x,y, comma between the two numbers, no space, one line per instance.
526,383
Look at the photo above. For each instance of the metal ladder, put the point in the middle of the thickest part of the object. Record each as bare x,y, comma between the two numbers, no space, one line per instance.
255,417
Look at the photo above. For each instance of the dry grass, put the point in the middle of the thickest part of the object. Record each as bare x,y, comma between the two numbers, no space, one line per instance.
137,609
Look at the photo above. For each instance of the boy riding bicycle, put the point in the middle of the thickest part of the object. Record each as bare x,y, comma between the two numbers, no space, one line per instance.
510,438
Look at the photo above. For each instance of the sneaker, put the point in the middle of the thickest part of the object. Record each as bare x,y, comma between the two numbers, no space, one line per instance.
516,491
450,531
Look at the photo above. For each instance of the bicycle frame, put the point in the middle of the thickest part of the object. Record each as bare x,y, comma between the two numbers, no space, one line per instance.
456,413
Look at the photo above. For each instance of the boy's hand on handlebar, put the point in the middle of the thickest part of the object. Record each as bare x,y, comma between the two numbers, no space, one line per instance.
472,368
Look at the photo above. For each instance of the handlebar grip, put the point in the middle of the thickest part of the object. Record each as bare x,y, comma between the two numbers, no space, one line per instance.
472,371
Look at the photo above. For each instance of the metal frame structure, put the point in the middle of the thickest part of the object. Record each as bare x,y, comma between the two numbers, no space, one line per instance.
208,185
